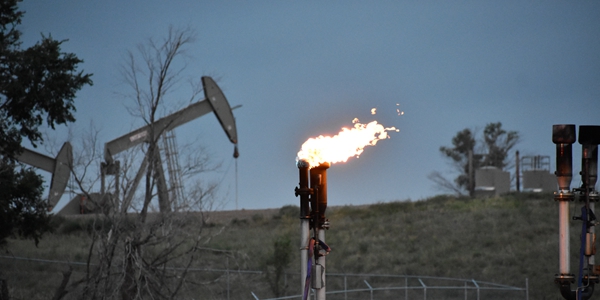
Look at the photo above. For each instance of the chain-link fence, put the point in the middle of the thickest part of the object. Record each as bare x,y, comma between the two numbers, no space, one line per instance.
230,284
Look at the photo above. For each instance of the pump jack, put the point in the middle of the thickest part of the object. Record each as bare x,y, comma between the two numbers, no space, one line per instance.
214,101
59,167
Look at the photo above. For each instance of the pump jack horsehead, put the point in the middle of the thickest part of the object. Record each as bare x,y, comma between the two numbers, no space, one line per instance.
589,138
214,101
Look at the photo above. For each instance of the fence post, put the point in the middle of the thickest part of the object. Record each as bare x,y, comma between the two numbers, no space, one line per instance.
424,289
477,286
345,287
405,288
228,287
526,288
465,290
370,288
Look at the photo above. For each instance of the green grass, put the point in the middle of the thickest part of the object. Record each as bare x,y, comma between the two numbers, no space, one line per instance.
502,240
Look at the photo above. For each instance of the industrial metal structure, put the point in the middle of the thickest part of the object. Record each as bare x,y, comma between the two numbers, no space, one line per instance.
59,167
536,174
491,182
215,101
313,249
176,192
563,135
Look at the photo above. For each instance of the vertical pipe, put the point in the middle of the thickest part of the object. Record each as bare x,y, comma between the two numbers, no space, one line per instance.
589,138
321,292
304,240
563,136
102,177
228,286
517,171
116,198
345,287
563,238
471,175
303,191
591,239
526,288
318,182
405,288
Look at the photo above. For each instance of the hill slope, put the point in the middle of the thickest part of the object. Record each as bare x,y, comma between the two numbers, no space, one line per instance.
502,240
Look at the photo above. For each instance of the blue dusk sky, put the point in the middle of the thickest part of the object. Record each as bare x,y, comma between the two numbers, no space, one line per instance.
305,68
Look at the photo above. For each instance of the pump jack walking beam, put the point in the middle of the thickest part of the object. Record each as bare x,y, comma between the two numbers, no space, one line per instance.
59,167
215,101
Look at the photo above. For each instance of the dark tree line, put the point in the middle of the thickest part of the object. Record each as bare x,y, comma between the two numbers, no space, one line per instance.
37,87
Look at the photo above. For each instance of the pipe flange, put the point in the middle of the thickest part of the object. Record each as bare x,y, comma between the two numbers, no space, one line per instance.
563,196
591,278
564,279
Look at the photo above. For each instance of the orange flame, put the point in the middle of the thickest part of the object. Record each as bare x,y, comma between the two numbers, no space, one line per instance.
347,143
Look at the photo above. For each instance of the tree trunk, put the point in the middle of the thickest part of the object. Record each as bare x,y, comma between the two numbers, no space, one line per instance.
129,286
61,291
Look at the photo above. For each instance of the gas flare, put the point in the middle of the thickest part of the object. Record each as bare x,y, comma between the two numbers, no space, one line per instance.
349,142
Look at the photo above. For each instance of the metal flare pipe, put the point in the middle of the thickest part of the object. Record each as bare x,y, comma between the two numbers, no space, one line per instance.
318,183
589,138
303,191
321,293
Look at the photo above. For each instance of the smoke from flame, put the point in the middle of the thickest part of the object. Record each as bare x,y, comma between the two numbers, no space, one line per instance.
347,143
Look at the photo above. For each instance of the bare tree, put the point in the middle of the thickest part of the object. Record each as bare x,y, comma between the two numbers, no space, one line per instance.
145,254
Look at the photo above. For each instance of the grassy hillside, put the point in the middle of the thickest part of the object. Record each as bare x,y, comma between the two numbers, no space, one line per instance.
502,240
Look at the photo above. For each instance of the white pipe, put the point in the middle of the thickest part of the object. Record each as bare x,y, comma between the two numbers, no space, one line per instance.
321,292
304,240
563,237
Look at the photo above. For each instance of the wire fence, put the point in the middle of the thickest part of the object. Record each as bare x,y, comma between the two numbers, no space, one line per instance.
231,284
378,286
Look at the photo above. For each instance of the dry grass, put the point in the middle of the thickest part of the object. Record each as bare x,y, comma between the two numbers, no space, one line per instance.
502,240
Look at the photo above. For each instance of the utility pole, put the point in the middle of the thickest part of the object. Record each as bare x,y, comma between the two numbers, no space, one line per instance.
518,174
471,175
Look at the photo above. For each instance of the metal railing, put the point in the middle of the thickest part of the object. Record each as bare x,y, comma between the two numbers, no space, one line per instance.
413,285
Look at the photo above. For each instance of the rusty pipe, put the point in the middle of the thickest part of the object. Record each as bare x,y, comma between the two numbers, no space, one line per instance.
303,191
318,183
589,138
564,136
